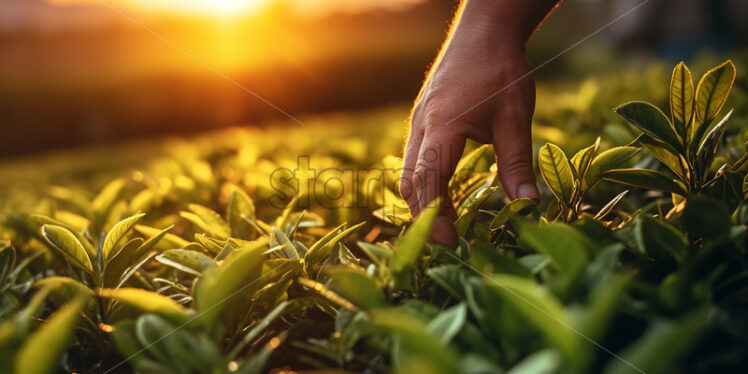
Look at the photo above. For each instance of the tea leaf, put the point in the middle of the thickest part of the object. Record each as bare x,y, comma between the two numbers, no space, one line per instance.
116,234
474,162
556,171
708,148
610,205
582,159
539,308
606,160
217,285
667,155
661,343
519,207
408,248
192,262
645,178
241,206
355,286
106,198
7,261
208,220
147,302
466,218
564,244
41,219
712,91
448,323
650,119
66,242
42,350
681,100
658,239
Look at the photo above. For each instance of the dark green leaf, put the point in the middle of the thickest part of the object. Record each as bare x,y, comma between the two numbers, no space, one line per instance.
606,160
355,286
519,207
712,91
645,178
650,119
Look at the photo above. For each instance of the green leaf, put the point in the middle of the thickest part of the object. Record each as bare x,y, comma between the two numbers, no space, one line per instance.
413,343
667,156
192,262
7,261
466,218
116,234
519,207
645,178
540,309
41,219
377,253
147,302
106,198
650,119
241,208
42,350
681,100
170,239
66,242
448,323
479,160
215,287
355,286
708,148
658,239
151,242
606,160
63,289
705,218
543,362
318,252
556,171
207,220
566,246
712,91
408,248
663,341
582,159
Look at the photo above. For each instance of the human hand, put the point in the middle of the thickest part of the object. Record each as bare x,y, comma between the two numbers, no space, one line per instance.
479,88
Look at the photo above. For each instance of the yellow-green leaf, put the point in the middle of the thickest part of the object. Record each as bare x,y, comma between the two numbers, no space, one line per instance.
408,248
66,242
148,302
582,159
207,220
713,89
556,171
192,262
241,208
681,100
116,234
519,207
41,352
215,287
606,160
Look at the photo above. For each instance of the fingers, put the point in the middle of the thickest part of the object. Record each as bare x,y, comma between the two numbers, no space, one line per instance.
407,191
437,158
512,140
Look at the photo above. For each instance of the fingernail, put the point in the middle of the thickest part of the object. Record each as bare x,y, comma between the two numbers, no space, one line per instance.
528,190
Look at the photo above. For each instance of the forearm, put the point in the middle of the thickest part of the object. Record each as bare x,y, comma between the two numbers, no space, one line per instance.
511,18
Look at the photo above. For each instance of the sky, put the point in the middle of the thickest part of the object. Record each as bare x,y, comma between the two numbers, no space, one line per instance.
52,15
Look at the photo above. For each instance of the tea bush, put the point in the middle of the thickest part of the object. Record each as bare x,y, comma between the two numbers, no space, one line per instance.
209,258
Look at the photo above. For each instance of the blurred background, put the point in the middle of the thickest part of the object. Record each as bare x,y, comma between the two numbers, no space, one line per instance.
92,72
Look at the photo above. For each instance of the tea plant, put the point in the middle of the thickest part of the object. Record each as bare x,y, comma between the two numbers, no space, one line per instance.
188,267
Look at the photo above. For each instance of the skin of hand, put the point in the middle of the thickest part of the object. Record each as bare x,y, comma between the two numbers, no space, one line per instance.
479,87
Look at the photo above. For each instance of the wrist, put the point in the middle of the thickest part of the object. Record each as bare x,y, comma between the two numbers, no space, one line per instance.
511,21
